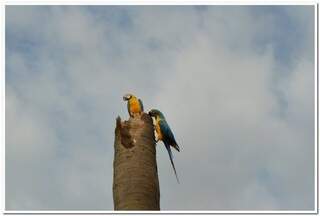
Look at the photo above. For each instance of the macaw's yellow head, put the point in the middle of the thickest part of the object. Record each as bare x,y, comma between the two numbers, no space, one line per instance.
127,97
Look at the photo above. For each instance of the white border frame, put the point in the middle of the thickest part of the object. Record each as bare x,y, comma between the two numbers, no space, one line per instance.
2,107
156,2
316,124
150,2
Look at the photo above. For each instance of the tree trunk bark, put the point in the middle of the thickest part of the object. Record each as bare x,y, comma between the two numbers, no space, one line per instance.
135,176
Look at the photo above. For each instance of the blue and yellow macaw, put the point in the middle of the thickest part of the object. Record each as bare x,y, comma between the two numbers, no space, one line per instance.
134,105
165,134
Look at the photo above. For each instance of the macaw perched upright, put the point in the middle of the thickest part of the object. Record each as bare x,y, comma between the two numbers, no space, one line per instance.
134,105
165,134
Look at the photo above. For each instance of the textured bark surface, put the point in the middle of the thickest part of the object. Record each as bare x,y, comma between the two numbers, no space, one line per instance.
135,174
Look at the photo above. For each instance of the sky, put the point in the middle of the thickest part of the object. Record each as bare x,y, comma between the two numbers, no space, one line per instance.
235,83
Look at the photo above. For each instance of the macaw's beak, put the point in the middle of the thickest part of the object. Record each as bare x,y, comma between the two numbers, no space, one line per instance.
126,97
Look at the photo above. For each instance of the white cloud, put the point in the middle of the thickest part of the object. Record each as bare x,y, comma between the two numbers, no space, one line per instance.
218,87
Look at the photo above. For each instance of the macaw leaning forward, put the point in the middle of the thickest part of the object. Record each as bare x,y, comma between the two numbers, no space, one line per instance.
134,105
165,134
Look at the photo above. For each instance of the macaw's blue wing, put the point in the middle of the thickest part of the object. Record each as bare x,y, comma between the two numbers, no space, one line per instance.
167,134
141,105
170,156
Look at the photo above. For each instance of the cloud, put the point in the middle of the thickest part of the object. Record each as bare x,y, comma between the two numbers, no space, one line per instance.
240,104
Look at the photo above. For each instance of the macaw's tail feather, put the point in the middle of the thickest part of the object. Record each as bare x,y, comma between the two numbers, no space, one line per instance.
171,160
175,172
175,145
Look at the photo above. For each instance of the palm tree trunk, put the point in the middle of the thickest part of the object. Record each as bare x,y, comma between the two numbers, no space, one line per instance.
135,176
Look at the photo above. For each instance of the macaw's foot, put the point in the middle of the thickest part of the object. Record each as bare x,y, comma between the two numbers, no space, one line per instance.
131,115
142,118
137,115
